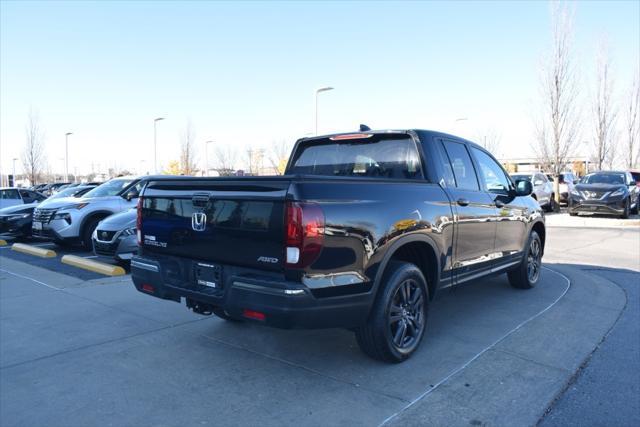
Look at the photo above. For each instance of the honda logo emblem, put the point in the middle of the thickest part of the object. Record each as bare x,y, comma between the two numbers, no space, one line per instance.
199,221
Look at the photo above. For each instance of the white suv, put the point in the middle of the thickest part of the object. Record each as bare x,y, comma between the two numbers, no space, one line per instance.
71,220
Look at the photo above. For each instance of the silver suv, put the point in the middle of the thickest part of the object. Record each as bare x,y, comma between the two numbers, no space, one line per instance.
542,188
71,220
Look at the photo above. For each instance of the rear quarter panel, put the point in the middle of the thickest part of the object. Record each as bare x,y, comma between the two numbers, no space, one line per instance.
364,218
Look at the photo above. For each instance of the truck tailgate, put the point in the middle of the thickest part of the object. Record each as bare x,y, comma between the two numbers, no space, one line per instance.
237,221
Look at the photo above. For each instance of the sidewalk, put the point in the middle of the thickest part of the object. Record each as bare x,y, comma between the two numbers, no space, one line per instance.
590,221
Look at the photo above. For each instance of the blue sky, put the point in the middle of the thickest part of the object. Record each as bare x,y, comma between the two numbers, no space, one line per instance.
244,73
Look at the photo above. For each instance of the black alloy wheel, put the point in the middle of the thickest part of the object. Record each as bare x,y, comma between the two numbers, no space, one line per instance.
406,317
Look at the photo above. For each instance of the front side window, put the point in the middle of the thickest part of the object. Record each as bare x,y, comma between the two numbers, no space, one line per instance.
461,165
492,175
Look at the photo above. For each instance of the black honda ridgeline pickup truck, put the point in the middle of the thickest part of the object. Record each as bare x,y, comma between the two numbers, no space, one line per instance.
360,233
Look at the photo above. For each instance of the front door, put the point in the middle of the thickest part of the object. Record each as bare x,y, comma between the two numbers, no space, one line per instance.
513,213
475,213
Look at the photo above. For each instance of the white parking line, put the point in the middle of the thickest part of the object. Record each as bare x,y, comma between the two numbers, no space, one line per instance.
30,278
498,341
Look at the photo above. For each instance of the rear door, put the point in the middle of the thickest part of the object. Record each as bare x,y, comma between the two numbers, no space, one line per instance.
236,222
475,211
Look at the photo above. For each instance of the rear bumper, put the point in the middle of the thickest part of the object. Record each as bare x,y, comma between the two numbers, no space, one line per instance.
284,304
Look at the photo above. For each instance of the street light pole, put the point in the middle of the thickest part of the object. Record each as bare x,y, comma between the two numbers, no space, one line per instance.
155,144
322,89
14,171
66,156
206,157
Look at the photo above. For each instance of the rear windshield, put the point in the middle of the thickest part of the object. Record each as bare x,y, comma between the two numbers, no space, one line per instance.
394,157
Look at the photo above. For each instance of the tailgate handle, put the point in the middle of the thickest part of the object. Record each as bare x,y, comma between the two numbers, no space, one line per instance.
200,200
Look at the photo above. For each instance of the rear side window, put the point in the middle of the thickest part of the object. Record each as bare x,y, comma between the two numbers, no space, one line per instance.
463,171
394,157
9,195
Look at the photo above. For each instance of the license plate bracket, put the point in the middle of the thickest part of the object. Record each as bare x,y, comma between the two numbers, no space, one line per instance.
209,275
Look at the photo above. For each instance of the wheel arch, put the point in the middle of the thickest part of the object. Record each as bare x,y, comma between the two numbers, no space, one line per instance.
540,228
416,249
100,214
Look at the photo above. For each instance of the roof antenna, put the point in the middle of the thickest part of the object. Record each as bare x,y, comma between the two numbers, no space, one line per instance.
364,128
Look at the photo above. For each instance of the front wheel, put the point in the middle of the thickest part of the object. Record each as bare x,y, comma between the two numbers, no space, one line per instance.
398,318
627,208
637,207
527,274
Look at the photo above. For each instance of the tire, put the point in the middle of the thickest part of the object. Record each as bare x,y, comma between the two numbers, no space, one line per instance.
87,231
627,208
398,318
551,206
527,274
637,208
222,313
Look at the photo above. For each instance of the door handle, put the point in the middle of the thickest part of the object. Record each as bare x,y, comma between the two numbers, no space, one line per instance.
462,202
499,203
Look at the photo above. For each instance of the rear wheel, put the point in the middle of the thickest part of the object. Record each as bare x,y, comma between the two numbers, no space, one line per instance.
527,274
397,322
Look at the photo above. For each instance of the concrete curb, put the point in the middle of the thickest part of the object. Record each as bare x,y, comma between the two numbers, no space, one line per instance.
95,266
32,250
564,220
518,378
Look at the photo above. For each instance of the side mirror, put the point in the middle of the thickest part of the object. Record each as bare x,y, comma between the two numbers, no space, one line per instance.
130,195
523,188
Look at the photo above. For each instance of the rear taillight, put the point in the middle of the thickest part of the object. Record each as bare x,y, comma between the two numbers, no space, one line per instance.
139,221
304,233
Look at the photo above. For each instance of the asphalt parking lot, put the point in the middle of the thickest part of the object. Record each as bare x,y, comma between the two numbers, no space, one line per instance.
85,350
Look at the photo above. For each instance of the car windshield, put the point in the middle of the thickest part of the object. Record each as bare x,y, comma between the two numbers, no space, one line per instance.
381,157
109,188
67,192
604,178
521,177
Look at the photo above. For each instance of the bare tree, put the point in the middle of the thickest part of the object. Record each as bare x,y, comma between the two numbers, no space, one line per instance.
490,139
632,125
557,129
278,155
254,159
604,111
33,157
187,151
225,158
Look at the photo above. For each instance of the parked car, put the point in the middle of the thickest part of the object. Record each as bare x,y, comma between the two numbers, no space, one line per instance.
359,233
16,221
566,181
11,196
70,220
78,191
115,237
50,189
607,192
542,188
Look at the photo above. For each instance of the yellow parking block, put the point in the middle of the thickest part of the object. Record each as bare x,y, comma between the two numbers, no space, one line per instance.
95,266
32,250
3,242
